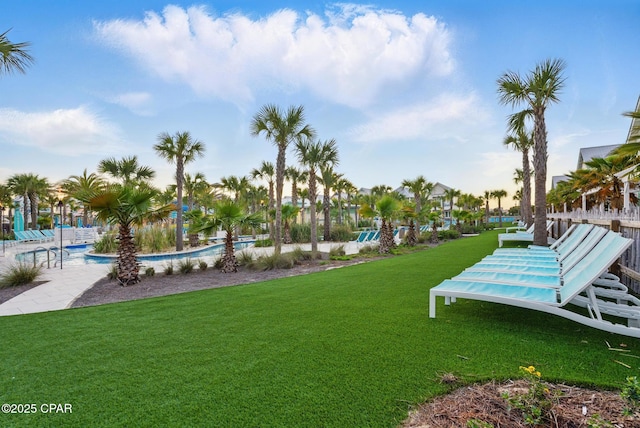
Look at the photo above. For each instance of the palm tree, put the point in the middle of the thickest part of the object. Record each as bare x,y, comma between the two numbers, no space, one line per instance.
295,176
421,189
83,183
126,206
435,217
328,179
386,208
228,215
487,196
600,175
522,140
499,194
314,155
194,185
539,89
126,170
180,149
13,56
281,128
304,196
29,186
289,213
450,194
409,214
267,172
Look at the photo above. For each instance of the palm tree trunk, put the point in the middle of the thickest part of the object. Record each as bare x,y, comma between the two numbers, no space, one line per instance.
128,268
526,188
326,209
312,212
229,262
540,167
179,221
287,233
280,167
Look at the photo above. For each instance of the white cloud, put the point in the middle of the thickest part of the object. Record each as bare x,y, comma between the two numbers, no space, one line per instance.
65,131
137,102
346,57
444,117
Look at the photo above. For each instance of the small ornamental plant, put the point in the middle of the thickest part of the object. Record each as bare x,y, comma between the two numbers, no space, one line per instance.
631,394
535,404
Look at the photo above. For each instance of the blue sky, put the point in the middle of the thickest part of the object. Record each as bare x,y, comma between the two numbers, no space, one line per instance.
406,88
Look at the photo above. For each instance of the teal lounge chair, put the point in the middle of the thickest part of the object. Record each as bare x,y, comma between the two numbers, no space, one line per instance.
577,288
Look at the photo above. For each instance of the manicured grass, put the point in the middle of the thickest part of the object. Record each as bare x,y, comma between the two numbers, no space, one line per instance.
348,347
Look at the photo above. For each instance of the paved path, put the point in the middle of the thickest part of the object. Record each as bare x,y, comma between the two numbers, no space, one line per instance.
65,285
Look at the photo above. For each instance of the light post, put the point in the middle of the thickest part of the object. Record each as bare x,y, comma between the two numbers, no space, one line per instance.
60,204
2,226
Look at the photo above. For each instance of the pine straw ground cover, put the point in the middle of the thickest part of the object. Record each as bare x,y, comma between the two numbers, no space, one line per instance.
575,407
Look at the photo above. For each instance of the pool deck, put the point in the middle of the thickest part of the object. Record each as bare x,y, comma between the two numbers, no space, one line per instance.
64,286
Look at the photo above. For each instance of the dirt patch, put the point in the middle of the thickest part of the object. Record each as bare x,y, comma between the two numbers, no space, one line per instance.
575,407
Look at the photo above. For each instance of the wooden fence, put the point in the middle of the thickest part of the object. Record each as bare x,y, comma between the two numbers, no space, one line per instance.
627,224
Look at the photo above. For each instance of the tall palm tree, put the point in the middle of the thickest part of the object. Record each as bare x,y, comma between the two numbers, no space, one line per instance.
125,206
228,215
537,90
29,186
180,149
314,155
281,128
522,140
13,56
499,194
328,179
126,170
421,189
267,173
487,196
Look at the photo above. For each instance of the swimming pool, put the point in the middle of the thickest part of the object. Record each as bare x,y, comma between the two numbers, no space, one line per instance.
79,254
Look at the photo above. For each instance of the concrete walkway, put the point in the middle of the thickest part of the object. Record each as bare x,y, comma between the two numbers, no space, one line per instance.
65,285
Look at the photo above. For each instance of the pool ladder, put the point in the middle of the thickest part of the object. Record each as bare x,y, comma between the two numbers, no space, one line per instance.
50,251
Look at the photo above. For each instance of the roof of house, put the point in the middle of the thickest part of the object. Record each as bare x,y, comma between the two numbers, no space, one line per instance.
588,153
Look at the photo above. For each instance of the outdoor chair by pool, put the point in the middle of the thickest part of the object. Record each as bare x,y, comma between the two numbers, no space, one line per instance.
520,236
579,287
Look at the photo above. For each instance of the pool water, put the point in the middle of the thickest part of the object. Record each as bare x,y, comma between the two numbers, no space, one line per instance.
78,254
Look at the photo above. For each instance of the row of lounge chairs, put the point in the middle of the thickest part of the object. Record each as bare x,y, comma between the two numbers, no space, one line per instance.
520,234
30,236
572,272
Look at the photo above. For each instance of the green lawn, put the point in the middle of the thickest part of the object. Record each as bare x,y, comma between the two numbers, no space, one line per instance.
350,347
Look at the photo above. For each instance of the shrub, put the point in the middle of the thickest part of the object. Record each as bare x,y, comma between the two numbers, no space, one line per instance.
186,265
300,233
298,254
112,273
369,249
202,265
244,258
274,261
108,243
263,243
149,271
19,274
341,233
217,263
448,234
168,268
336,251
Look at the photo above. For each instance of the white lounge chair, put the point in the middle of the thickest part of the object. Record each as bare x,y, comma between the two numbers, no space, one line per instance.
578,288
526,236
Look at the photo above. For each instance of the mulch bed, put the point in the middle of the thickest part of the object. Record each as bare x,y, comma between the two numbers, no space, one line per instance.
110,291
574,408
